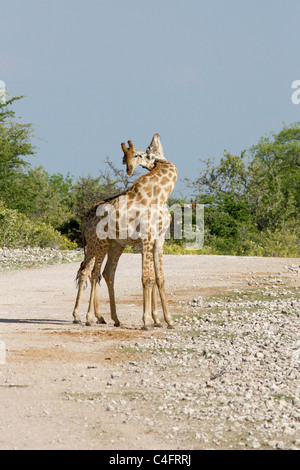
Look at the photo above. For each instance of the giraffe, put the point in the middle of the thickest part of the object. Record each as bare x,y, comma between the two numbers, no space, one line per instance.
140,215
95,250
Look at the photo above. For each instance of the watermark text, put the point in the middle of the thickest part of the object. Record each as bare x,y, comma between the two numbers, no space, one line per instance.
296,94
127,220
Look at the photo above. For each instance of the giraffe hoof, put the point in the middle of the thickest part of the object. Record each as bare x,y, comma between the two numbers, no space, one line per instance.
171,327
158,325
76,322
89,323
101,321
117,324
146,328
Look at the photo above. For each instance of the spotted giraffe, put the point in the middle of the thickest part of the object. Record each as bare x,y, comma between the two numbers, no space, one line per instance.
137,216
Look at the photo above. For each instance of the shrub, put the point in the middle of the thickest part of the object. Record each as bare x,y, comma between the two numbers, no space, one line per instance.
283,243
17,230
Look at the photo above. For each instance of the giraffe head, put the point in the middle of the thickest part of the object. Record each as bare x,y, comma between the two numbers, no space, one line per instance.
133,158
155,149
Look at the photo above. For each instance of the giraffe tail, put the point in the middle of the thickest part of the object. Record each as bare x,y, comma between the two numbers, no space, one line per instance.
78,275
83,264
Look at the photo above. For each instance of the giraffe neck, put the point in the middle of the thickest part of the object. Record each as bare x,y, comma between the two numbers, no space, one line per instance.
157,185
167,176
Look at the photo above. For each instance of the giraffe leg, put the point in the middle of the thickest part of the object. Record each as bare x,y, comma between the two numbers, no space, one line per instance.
114,253
82,275
157,323
158,258
97,305
94,300
148,281
98,315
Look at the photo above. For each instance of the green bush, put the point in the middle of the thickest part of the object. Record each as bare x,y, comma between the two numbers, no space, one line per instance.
283,243
17,230
252,200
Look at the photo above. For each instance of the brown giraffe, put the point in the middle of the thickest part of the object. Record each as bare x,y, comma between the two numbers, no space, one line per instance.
139,215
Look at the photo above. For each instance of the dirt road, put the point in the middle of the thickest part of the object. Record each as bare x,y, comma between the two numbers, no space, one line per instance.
66,386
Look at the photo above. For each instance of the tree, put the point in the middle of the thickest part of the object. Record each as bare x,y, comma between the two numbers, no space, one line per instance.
88,190
41,196
274,192
15,146
251,195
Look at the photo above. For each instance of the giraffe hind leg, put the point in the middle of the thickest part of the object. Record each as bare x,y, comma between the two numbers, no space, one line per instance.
98,315
82,277
94,299
114,253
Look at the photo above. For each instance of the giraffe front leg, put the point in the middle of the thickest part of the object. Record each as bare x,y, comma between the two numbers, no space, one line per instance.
154,308
147,294
148,281
160,280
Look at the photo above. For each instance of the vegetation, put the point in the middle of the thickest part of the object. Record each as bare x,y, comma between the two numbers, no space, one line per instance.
17,230
251,201
39,209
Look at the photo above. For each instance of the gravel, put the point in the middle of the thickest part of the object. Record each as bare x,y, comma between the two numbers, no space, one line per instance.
231,365
227,377
33,257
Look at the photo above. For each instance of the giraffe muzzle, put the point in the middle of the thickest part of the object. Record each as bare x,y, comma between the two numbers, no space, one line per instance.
129,169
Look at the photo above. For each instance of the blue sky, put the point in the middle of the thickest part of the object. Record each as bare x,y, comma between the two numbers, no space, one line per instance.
206,75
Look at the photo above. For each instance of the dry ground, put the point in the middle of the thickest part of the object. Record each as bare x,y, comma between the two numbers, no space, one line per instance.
66,386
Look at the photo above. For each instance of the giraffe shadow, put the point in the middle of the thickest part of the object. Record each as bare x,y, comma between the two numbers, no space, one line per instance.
38,321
